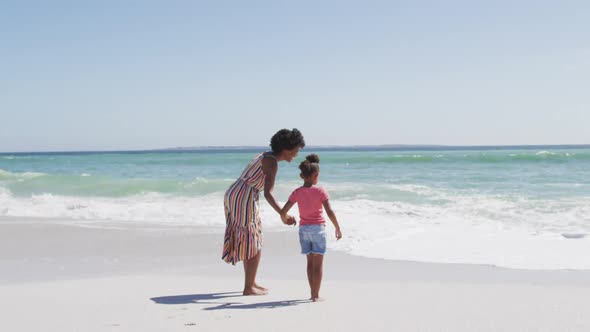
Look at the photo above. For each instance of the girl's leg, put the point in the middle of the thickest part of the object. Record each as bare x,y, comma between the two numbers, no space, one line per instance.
250,269
310,273
317,262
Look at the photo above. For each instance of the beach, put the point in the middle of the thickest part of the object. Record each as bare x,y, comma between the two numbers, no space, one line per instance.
450,147
64,275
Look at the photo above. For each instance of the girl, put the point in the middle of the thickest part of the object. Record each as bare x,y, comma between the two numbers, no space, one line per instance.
312,233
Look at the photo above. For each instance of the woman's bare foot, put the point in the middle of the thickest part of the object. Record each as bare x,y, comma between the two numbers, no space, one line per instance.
253,291
257,286
317,299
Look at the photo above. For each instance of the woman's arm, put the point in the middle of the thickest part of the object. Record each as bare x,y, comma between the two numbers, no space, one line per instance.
269,168
332,217
284,217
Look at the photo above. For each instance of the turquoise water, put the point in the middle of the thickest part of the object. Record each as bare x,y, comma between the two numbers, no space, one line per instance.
386,196
550,173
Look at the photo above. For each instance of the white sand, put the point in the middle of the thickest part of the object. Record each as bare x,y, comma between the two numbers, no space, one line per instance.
59,277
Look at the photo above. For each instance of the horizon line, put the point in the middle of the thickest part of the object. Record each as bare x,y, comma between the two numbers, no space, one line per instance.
322,147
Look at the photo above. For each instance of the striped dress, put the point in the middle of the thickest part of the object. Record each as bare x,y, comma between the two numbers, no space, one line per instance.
243,229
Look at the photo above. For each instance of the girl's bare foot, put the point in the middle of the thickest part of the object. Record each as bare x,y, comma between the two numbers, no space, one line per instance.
253,291
257,286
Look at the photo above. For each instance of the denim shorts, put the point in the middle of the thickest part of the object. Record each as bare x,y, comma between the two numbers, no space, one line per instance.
312,239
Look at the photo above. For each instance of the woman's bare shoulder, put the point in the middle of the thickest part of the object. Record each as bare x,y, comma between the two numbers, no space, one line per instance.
268,155
269,159
269,162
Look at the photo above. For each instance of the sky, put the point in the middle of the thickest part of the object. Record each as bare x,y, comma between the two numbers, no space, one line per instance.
127,75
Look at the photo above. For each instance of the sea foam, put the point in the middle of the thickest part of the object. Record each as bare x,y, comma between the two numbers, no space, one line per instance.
475,229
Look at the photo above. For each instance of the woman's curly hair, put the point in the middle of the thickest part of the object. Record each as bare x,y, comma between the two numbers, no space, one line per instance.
286,139
310,165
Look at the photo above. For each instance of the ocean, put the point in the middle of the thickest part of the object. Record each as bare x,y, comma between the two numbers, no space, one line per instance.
517,207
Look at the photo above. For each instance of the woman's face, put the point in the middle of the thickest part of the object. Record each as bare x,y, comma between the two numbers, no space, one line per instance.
289,155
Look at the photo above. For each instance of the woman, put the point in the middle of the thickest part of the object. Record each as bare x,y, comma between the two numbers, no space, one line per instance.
243,232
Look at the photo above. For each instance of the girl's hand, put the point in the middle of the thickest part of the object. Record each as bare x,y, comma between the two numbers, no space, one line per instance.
338,234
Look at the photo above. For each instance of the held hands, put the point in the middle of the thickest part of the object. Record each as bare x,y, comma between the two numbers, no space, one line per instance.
288,219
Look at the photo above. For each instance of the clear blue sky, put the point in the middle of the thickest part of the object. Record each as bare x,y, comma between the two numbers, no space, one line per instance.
103,75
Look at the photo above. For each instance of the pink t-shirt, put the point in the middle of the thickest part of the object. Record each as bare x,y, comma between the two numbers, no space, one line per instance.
309,200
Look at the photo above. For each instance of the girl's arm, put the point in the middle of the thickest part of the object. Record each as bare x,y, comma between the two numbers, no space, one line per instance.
332,217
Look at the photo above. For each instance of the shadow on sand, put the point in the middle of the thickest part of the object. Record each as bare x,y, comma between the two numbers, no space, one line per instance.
213,298
261,305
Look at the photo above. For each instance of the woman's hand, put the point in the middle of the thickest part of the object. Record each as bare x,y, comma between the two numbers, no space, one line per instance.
288,219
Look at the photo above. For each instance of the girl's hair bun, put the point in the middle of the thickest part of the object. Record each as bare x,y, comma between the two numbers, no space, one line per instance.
313,158
310,165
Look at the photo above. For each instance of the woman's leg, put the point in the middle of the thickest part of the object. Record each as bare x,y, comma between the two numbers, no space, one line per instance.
317,262
250,270
256,285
